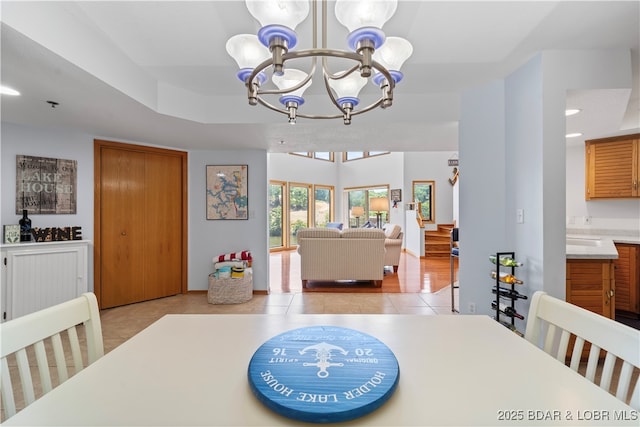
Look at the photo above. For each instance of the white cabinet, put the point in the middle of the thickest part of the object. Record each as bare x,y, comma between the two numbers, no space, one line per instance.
39,275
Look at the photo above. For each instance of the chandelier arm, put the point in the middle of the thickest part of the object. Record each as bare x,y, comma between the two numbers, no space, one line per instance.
340,75
325,53
338,116
268,62
318,116
272,107
286,112
314,4
324,25
314,53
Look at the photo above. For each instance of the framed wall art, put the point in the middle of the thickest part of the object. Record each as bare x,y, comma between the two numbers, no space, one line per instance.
45,185
227,192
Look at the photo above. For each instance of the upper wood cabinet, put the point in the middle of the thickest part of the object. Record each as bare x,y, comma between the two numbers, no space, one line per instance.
612,167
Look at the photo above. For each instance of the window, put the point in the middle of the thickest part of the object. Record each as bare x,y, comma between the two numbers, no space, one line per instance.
424,192
318,155
356,155
361,197
323,209
299,213
276,218
296,205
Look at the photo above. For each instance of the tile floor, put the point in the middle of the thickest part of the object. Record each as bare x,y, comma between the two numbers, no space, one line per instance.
121,323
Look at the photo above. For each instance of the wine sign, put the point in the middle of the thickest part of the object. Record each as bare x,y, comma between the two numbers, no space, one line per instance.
323,374
56,234
45,186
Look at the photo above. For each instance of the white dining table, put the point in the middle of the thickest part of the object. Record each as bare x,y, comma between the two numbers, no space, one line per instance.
187,370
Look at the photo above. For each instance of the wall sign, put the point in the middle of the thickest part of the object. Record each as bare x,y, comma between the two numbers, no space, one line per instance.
45,185
56,234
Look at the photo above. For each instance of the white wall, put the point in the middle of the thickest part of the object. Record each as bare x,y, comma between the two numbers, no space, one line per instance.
60,144
209,238
45,143
482,192
206,238
431,166
523,117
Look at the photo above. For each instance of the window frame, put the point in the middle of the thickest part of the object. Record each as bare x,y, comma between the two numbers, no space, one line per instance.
313,155
365,155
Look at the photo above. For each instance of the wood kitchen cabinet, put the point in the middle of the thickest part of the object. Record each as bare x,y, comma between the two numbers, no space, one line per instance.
591,285
627,275
612,167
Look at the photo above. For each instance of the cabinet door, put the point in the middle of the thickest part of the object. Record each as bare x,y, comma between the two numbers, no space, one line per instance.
590,284
612,168
627,281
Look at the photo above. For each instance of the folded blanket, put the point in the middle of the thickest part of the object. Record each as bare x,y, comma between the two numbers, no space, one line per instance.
244,255
218,265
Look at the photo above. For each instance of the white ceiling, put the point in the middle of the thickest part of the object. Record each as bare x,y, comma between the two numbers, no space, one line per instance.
158,73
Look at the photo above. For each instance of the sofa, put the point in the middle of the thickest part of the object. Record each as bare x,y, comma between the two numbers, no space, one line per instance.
393,245
329,254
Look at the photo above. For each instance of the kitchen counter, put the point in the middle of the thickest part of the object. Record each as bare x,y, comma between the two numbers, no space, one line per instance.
601,245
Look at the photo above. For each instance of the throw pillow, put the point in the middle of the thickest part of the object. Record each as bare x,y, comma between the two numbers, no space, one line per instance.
337,225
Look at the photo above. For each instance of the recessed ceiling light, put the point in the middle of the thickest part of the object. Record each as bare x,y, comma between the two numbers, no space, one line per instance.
573,135
6,90
571,111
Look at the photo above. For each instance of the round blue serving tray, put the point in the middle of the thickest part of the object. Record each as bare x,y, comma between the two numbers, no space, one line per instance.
323,374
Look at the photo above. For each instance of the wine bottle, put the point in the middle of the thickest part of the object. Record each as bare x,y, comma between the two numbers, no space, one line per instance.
508,311
25,227
509,293
506,261
507,278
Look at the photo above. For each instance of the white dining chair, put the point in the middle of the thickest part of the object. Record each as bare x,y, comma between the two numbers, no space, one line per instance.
34,333
551,325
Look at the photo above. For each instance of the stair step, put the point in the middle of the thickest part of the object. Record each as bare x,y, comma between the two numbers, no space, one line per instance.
436,254
437,238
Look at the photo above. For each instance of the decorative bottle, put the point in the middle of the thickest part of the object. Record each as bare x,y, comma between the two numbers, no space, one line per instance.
25,227
507,278
506,261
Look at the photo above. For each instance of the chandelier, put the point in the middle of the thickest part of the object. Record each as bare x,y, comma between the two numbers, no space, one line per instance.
373,56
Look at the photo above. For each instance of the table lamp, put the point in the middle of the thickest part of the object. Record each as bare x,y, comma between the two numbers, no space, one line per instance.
379,205
357,212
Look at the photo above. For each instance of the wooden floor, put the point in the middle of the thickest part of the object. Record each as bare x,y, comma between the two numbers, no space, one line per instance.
414,275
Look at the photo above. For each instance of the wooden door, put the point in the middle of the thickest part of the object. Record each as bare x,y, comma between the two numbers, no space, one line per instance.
163,237
140,223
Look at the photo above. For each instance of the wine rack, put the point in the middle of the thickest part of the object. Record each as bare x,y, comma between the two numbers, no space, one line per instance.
454,252
506,294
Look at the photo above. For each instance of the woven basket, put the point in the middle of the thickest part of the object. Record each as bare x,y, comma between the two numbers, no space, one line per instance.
231,291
